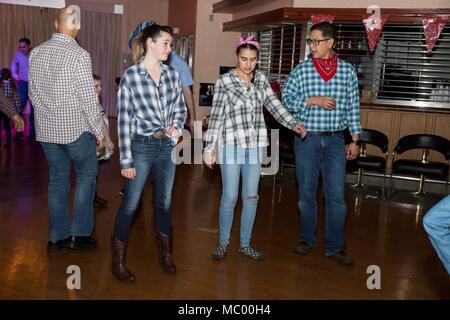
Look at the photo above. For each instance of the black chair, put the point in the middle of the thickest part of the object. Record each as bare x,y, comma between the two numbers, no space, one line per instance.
370,163
423,168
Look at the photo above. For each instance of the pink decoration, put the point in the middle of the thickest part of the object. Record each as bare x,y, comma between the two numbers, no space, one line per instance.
373,29
317,18
433,26
248,40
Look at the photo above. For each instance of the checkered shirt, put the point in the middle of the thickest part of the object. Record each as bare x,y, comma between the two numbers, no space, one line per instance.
10,92
304,82
61,89
237,112
145,107
6,105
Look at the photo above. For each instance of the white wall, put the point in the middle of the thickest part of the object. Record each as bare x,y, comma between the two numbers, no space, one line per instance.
213,48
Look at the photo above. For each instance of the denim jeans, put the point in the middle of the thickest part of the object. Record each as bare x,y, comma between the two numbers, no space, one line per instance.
437,224
22,89
324,155
59,156
234,160
149,155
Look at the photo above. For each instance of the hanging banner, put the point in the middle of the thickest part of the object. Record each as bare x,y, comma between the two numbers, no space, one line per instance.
373,26
432,27
317,18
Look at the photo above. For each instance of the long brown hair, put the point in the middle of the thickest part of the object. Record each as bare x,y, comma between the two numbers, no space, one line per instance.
139,44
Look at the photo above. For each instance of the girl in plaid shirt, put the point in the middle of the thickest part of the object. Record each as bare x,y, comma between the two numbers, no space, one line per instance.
237,130
151,117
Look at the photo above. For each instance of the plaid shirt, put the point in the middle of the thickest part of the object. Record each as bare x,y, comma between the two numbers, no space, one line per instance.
61,89
237,112
304,82
145,107
10,92
6,105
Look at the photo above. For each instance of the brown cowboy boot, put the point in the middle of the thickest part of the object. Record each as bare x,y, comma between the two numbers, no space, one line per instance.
119,260
165,251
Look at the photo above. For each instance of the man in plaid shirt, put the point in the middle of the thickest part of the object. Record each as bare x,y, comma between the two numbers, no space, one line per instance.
322,92
68,125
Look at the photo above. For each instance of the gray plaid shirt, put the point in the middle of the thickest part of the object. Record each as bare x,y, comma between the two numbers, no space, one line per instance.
61,88
237,112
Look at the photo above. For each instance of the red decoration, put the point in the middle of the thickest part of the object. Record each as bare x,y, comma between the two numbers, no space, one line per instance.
433,26
317,18
373,29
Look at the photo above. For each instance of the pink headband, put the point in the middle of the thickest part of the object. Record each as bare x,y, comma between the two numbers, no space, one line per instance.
248,40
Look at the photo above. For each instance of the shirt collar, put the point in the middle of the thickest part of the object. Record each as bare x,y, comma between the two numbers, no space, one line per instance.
142,71
62,37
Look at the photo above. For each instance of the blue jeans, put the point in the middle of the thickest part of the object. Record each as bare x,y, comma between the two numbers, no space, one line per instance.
234,160
149,155
437,224
22,89
323,155
59,156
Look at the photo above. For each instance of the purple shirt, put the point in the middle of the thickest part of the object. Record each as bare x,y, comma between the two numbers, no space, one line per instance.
20,66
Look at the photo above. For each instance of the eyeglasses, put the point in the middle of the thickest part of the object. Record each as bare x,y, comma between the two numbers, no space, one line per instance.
315,42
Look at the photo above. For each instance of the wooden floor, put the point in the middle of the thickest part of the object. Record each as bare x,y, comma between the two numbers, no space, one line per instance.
391,237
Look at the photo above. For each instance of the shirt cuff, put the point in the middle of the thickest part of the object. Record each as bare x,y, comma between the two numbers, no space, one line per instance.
126,163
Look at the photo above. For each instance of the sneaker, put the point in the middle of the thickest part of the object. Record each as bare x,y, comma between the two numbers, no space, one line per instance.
53,246
220,252
303,248
341,258
252,253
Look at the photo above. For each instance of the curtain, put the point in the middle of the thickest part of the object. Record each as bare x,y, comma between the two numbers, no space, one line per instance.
99,35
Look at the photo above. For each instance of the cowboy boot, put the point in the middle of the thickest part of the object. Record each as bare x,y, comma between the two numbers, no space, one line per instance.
119,260
165,251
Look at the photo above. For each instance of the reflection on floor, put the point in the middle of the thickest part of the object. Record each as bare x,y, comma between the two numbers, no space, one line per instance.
377,233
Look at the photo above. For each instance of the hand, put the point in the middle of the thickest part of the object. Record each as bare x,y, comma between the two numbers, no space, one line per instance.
16,77
323,101
209,158
110,145
101,144
173,133
299,129
352,151
18,122
129,173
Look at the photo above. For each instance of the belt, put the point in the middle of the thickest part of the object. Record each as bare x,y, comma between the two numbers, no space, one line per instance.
159,134
324,133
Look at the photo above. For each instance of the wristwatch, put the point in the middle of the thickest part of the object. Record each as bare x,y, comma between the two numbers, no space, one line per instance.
357,142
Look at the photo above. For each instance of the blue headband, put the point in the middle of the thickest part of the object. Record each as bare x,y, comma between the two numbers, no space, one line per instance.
140,27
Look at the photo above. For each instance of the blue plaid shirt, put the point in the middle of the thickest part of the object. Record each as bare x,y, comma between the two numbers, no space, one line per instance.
145,107
304,82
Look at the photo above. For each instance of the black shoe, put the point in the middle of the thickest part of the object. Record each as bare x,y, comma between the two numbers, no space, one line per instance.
341,258
303,248
100,200
53,246
80,243
99,204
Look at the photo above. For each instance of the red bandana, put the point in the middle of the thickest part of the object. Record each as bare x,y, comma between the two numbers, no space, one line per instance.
326,67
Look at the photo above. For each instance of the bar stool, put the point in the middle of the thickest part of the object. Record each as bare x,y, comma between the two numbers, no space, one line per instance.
423,168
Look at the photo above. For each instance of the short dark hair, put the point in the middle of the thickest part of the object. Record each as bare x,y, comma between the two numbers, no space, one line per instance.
96,77
328,29
26,40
